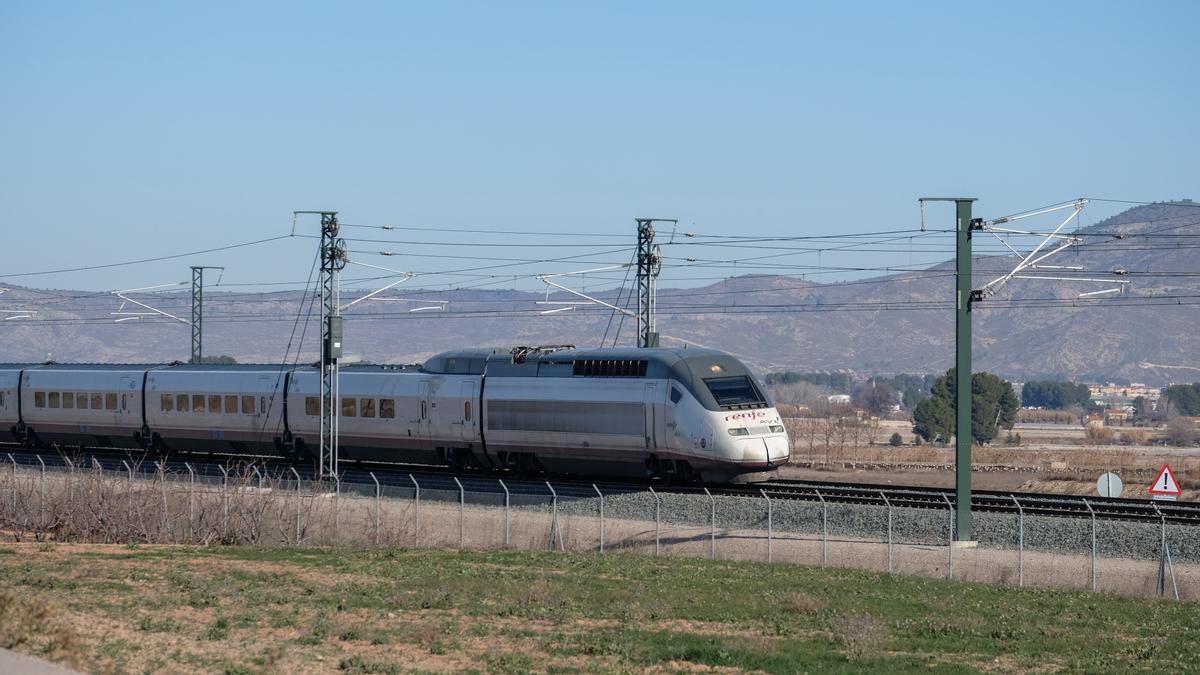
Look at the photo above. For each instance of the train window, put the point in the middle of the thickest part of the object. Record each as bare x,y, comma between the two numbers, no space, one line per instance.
68,399
466,411
110,401
231,405
348,407
181,402
54,399
736,390
197,402
97,402
39,399
81,400
248,405
675,395
312,406
366,407
214,403
168,402
387,408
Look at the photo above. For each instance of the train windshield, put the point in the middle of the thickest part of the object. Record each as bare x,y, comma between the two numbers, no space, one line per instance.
738,390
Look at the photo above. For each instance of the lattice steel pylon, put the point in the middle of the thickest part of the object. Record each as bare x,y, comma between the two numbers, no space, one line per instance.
198,310
333,260
649,264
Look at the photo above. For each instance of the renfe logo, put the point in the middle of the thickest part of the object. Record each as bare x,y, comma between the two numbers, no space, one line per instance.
748,415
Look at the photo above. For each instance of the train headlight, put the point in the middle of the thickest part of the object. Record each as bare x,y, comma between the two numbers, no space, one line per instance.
739,431
777,428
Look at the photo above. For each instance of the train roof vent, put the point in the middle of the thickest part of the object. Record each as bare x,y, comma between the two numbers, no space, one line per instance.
610,367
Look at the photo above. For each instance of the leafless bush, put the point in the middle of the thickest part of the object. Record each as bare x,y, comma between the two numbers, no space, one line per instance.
242,507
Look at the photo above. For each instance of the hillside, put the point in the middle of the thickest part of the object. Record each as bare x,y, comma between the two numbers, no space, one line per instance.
804,325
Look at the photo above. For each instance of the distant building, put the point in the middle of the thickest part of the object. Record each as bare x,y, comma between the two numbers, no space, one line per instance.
840,399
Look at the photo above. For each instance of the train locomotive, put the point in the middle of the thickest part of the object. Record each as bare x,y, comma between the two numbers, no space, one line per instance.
687,415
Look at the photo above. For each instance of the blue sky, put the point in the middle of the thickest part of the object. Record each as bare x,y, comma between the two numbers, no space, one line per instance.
131,130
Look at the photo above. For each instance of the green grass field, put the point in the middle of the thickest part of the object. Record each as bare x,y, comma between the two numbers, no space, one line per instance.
243,610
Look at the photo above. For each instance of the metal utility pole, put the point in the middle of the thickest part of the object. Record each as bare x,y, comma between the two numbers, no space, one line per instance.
333,260
198,311
965,296
649,264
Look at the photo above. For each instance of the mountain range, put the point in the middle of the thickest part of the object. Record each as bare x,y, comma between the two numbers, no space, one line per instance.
894,323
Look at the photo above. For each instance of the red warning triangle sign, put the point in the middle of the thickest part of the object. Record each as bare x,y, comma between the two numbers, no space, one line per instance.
1165,484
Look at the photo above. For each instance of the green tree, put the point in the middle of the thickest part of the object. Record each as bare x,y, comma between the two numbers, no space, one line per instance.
993,407
1185,398
896,441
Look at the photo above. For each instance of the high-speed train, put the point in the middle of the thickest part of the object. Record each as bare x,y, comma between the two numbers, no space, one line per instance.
662,413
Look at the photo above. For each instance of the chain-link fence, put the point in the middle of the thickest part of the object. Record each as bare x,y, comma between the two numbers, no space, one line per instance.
245,505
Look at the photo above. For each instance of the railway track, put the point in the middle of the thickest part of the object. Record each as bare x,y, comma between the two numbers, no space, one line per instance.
434,478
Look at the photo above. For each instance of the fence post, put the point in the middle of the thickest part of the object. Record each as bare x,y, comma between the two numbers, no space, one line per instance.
1164,558
712,531
507,514
824,529
129,485
41,494
950,538
160,471
224,502
297,476
378,496
770,524
416,512
1095,585
1020,543
14,486
337,508
555,528
70,481
191,502
888,504
657,521
601,495
462,506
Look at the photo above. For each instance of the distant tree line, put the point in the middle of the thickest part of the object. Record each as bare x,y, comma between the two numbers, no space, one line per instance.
1055,395
839,382
215,360
876,394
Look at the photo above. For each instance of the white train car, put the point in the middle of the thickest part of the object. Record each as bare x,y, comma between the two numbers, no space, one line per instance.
236,409
83,405
391,414
9,412
683,413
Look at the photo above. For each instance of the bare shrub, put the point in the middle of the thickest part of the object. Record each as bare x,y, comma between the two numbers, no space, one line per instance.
36,622
861,635
1095,434
802,603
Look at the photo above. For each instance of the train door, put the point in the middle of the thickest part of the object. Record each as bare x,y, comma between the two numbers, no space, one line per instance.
125,402
425,397
650,398
469,414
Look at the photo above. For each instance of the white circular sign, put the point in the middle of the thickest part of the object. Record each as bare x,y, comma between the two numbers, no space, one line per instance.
1110,485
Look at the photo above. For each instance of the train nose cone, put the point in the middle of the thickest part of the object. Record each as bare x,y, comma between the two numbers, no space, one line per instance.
777,449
